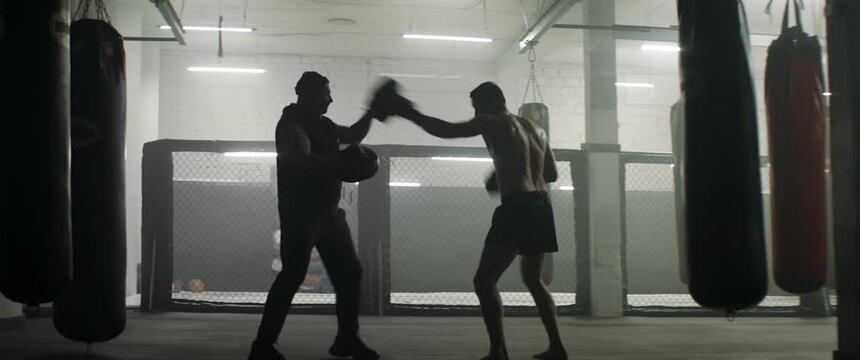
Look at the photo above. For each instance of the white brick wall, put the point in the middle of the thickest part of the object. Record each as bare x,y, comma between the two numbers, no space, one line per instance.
562,89
247,106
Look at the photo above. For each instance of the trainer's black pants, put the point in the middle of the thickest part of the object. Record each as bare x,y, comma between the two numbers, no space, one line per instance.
329,232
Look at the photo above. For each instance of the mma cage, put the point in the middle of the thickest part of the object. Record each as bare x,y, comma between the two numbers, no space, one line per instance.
210,233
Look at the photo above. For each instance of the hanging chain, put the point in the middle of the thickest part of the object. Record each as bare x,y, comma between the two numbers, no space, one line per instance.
486,29
101,11
532,78
83,10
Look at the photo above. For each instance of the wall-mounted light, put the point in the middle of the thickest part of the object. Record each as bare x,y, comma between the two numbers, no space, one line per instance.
253,154
826,93
634,85
566,187
226,70
404,184
660,48
456,158
211,28
447,38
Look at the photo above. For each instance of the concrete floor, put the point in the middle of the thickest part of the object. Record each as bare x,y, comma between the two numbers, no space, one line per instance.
227,336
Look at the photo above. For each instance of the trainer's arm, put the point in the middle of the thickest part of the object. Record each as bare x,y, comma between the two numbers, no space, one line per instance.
441,128
296,149
357,132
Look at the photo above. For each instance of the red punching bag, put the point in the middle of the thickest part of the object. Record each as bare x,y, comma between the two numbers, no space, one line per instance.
796,134
92,308
34,150
726,256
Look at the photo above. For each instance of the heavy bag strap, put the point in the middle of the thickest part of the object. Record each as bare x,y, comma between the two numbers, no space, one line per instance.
798,4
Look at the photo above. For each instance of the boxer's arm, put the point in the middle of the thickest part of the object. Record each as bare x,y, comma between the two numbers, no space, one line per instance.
550,172
441,128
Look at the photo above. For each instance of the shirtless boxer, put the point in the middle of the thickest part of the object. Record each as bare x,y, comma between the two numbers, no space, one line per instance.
523,224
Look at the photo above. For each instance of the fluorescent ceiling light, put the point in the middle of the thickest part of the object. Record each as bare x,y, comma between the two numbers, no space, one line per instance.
565,187
211,28
660,48
421,76
454,158
253,154
634,85
449,38
207,180
404,184
226,70
416,76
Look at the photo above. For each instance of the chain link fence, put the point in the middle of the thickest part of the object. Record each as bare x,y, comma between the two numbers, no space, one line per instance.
226,234
211,233
653,273
219,242
440,215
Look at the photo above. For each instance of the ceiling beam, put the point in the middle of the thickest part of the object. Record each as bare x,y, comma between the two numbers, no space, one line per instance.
629,32
533,34
544,23
170,17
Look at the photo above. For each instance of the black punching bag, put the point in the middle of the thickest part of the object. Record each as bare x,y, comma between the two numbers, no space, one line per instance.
725,236
539,114
35,262
93,307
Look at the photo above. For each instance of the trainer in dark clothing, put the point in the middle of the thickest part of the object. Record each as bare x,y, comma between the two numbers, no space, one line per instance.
308,194
299,186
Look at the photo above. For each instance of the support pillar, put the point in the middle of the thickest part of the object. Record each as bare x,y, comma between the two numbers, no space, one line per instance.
843,47
603,273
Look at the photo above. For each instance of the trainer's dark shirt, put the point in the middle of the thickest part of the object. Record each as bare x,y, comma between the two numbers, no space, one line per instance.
300,193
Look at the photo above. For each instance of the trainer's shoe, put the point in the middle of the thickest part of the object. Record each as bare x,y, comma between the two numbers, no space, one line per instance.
352,347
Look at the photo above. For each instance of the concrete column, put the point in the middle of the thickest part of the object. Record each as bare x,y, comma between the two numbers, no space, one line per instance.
843,47
602,149
374,240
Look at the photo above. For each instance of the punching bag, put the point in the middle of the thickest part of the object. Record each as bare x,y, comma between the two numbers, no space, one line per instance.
92,308
725,238
794,97
676,120
539,114
35,260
